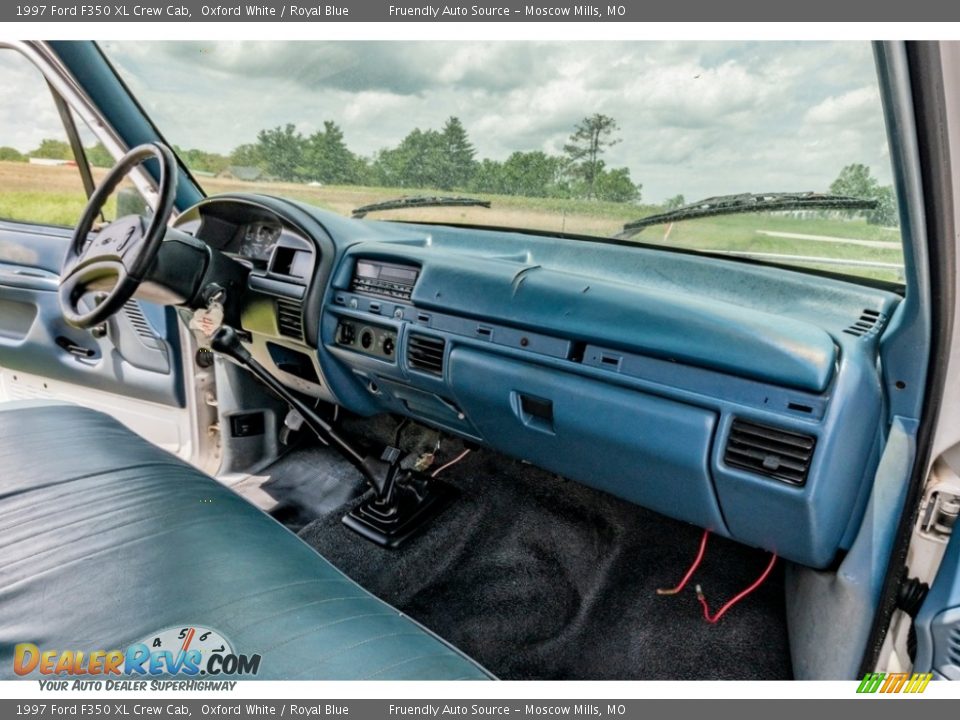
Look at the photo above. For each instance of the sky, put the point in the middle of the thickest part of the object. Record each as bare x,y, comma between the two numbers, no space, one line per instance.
695,118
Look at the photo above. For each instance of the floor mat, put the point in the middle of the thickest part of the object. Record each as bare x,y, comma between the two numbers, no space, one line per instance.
538,577
308,483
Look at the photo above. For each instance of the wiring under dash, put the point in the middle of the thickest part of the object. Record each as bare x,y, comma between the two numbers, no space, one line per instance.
693,568
713,618
453,462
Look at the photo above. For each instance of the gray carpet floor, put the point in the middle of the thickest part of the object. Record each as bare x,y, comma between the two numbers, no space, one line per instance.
538,577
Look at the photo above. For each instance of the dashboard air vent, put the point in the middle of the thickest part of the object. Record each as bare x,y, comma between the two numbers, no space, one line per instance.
953,645
134,313
425,352
769,451
290,318
867,322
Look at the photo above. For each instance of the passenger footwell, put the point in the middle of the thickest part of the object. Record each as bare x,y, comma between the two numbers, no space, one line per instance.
538,577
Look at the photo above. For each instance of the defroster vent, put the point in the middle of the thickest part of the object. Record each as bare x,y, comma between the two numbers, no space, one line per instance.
868,322
770,451
425,352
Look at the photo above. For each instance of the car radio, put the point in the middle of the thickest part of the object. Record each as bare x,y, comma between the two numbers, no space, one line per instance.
372,277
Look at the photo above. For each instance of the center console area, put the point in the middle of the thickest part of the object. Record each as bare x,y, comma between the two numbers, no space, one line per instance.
388,284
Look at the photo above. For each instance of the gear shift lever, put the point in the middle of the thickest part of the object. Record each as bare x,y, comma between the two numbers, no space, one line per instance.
402,501
226,342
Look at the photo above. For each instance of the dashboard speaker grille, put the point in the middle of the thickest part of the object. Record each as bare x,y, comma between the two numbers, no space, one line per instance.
769,451
425,352
290,318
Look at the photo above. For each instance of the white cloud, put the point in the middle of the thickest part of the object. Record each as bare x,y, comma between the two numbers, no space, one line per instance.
849,108
695,118
27,112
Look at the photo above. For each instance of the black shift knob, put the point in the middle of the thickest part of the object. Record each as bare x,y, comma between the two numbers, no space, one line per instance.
227,342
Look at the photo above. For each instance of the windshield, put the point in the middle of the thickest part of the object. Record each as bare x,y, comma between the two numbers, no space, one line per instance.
573,138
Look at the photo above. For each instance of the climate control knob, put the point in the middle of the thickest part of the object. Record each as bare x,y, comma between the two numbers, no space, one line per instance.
366,338
346,333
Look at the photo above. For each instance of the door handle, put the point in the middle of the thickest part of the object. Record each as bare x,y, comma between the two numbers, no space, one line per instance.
71,347
24,278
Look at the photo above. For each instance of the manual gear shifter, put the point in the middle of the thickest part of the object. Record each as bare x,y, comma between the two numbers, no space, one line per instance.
402,501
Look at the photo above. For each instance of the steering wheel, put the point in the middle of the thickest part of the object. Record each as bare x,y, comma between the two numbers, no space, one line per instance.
116,258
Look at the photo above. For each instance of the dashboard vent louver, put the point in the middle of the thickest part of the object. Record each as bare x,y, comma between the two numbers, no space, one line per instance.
425,352
134,313
868,321
769,451
290,318
953,645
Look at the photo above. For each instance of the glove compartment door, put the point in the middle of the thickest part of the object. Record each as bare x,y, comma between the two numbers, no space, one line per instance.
642,448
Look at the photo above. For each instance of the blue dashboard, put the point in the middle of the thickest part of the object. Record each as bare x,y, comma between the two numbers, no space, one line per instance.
739,397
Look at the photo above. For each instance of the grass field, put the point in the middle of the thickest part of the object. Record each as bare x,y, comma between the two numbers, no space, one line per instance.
51,195
54,195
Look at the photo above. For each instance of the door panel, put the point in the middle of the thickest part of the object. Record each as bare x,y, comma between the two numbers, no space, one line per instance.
130,369
133,358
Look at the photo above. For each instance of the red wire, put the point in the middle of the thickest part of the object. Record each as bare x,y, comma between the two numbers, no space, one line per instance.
457,459
691,571
736,598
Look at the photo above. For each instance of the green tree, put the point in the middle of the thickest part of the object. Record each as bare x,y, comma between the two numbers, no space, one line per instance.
590,139
443,159
364,171
203,160
675,202
885,213
855,180
98,156
283,151
247,155
534,174
488,178
328,158
616,186
9,154
417,162
52,150
460,156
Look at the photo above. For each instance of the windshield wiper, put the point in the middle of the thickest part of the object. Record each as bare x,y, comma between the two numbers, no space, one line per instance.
415,201
749,202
